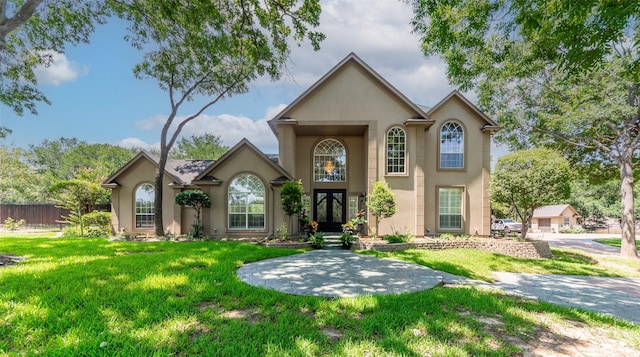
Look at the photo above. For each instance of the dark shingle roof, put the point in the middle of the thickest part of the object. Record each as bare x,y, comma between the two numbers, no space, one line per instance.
187,170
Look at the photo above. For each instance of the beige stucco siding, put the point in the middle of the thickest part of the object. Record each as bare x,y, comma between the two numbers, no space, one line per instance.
351,96
243,161
473,177
140,172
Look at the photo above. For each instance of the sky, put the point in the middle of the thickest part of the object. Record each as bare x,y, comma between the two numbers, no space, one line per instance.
96,98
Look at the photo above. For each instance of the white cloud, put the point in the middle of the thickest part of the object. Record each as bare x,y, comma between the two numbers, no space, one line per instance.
231,128
60,70
137,144
380,33
151,123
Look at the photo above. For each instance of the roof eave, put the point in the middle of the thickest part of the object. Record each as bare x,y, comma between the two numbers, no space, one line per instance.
425,123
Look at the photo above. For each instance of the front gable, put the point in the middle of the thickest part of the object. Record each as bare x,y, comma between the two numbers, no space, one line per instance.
353,93
456,106
141,167
243,157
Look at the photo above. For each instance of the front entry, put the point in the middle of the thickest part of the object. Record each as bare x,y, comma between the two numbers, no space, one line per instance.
330,209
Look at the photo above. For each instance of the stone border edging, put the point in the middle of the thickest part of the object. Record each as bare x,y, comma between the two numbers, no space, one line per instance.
536,249
531,249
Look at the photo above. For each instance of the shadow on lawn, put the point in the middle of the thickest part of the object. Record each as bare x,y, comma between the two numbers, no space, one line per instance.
185,298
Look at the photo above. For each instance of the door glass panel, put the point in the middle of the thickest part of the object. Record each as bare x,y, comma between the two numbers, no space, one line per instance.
337,207
321,207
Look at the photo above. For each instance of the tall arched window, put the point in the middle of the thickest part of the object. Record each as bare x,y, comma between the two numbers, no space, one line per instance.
145,198
329,161
396,150
246,203
451,146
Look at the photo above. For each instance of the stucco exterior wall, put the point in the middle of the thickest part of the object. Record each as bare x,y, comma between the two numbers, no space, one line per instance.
243,161
473,178
123,200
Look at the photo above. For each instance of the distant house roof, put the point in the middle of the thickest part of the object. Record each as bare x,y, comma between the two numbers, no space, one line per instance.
553,211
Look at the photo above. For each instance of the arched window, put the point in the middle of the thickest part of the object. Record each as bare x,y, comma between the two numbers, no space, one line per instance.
451,146
396,150
145,198
329,162
246,203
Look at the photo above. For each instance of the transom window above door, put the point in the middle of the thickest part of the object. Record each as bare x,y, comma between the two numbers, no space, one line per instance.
329,161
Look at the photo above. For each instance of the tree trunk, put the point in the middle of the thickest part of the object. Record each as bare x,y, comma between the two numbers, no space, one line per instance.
524,229
157,202
628,246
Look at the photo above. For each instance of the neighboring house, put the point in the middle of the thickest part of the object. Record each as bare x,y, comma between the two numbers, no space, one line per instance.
347,131
552,218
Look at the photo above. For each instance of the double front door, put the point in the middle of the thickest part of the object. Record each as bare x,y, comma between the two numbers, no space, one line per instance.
330,209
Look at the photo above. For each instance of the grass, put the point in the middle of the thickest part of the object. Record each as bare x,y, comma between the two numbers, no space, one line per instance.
95,297
480,265
615,242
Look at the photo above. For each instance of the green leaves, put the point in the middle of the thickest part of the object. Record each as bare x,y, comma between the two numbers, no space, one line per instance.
381,203
32,30
200,147
291,197
528,179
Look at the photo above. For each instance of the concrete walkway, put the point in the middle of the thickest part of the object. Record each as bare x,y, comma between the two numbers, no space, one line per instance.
342,273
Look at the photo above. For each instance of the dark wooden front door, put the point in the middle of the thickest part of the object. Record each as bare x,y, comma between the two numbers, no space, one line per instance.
330,209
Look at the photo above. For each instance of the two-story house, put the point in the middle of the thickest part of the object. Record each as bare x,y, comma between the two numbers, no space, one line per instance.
344,133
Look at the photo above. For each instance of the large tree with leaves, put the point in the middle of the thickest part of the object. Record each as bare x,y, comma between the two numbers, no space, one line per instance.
201,147
211,50
63,159
33,33
528,179
558,73
18,180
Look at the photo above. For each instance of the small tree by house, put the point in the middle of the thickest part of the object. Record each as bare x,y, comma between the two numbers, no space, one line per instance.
198,200
291,198
78,196
381,203
527,179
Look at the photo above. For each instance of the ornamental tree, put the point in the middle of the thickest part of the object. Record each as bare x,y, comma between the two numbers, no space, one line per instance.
210,50
78,196
198,200
291,198
381,203
527,179
558,73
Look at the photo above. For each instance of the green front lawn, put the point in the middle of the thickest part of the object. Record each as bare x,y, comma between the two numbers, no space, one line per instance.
94,297
480,265
615,242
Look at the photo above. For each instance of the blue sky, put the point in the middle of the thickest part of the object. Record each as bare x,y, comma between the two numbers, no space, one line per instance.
96,98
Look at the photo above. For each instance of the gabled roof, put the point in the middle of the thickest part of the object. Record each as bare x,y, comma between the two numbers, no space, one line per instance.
204,176
552,211
490,123
181,172
351,58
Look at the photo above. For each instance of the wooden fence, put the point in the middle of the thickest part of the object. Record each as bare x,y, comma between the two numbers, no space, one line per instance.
38,215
